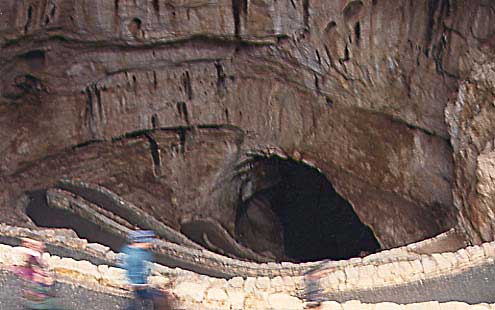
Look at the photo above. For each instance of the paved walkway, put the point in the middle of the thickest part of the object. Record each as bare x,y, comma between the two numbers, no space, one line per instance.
72,297
474,286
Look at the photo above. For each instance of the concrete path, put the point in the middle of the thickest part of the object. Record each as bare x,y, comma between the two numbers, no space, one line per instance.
474,286
72,297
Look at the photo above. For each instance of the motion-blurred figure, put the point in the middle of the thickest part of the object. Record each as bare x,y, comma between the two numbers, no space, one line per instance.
38,284
313,292
137,264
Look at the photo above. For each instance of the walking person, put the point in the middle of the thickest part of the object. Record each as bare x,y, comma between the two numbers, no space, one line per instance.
136,262
313,292
38,283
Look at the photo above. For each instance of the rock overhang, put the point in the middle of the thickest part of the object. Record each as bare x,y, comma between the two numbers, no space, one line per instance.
339,84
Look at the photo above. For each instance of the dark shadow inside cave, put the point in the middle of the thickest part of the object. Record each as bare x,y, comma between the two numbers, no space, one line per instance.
44,216
294,213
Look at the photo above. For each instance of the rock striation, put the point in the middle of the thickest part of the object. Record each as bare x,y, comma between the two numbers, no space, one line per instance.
176,107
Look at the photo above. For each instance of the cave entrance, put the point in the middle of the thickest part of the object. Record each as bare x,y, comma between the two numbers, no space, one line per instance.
43,215
292,212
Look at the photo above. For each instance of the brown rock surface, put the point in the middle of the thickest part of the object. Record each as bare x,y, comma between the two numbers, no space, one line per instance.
471,118
164,101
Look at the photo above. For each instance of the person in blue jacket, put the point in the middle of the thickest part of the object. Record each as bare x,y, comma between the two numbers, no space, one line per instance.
137,262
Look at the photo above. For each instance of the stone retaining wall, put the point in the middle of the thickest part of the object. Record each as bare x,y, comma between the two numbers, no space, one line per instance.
201,292
391,267
68,239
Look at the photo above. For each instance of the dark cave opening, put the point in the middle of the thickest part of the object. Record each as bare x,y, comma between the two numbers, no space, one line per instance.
294,213
43,215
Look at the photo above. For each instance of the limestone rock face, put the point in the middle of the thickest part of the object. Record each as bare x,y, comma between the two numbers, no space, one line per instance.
164,103
471,117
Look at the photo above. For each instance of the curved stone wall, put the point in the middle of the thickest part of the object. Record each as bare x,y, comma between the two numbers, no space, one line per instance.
68,244
195,291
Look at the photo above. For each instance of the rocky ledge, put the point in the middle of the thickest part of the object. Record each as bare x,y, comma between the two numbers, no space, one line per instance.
255,137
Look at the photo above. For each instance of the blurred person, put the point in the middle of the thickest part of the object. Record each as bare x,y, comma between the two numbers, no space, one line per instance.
137,263
38,283
313,291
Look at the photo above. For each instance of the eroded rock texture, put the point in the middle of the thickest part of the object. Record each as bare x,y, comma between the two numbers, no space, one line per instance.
174,105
